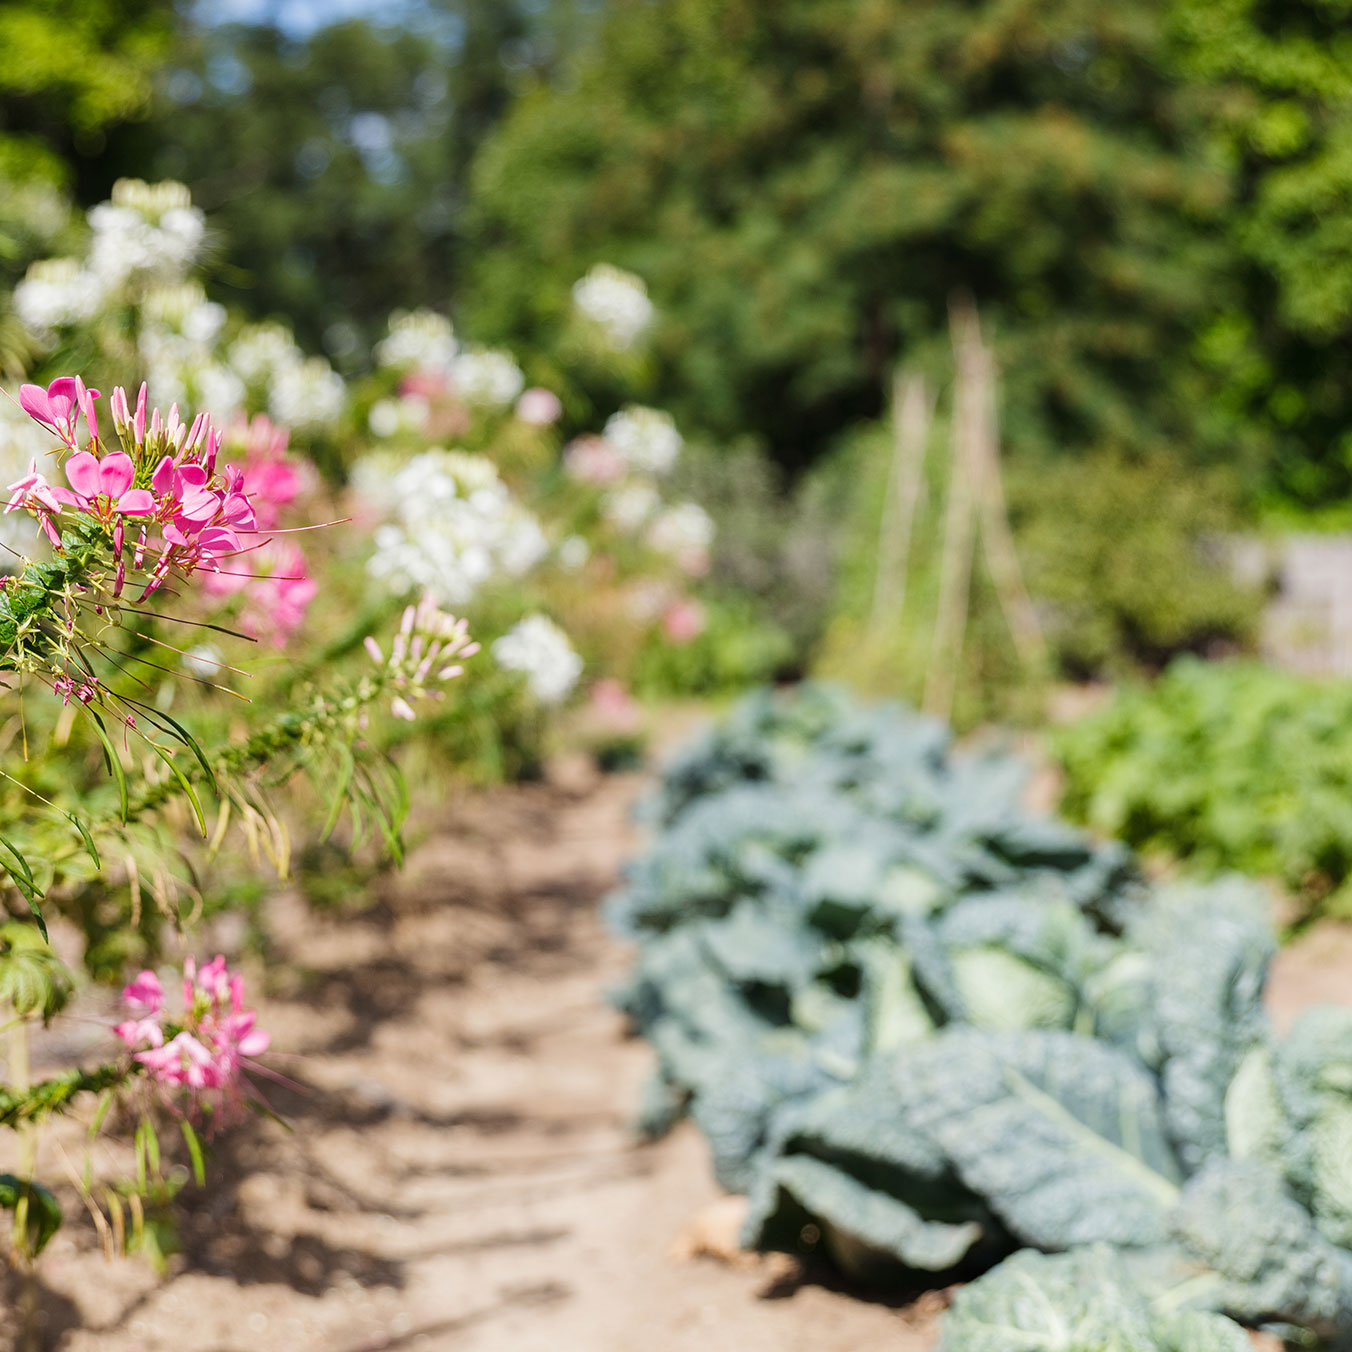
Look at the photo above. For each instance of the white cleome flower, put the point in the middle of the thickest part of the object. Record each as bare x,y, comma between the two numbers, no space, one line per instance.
307,397
418,340
482,376
456,527
630,505
262,349
573,553
616,302
682,530
147,229
540,650
646,437
389,417
55,293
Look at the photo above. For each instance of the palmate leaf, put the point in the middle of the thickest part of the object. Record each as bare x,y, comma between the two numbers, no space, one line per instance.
1062,1135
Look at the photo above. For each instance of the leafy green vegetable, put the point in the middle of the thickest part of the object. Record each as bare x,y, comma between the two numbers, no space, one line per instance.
1076,1302
1224,766
921,1028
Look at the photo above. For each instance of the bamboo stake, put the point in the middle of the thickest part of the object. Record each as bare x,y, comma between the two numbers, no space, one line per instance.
996,536
960,516
912,411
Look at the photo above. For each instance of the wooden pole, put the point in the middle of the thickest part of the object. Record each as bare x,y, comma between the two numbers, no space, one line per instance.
996,535
960,515
912,411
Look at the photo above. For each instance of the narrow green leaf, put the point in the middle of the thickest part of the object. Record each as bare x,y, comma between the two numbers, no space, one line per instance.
346,768
199,1171
88,840
185,785
192,744
114,764
23,880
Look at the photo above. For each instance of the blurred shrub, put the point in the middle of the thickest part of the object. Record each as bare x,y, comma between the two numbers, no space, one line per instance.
1225,766
736,648
776,545
1124,559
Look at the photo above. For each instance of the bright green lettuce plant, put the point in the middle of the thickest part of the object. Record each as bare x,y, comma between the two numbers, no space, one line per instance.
1224,766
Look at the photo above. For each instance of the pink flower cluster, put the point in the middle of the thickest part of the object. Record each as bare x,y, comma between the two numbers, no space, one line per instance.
593,460
279,586
206,1050
164,477
275,479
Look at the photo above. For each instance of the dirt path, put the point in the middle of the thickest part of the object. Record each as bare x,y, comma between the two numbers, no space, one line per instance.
460,1173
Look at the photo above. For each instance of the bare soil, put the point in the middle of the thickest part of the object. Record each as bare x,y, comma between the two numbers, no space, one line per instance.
458,1171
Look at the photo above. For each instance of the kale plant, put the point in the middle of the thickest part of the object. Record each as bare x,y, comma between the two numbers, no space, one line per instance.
924,1029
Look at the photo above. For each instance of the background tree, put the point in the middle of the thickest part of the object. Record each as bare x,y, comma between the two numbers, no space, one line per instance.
1277,80
335,164
805,186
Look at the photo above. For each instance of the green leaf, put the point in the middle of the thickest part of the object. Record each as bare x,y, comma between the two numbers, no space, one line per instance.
114,764
189,792
88,840
40,1210
347,764
199,1172
23,880
1062,1135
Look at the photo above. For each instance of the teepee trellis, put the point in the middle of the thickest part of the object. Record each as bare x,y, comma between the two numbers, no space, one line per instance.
974,510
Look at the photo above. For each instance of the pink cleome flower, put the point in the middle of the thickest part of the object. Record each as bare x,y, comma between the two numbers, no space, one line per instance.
207,1048
188,515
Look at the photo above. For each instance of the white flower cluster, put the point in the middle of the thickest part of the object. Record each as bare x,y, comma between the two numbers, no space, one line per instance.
177,344
147,234
54,294
630,505
646,437
261,349
148,229
540,650
482,376
307,396
616,302
389,417
305,393
684,531
418,340
457,526
143,244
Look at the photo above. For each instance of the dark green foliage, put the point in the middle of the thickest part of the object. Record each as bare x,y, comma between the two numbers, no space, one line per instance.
922,1028
804,185
1225,766
1277,83
334,166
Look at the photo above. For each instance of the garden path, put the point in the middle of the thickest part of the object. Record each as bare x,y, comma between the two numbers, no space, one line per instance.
459,1172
